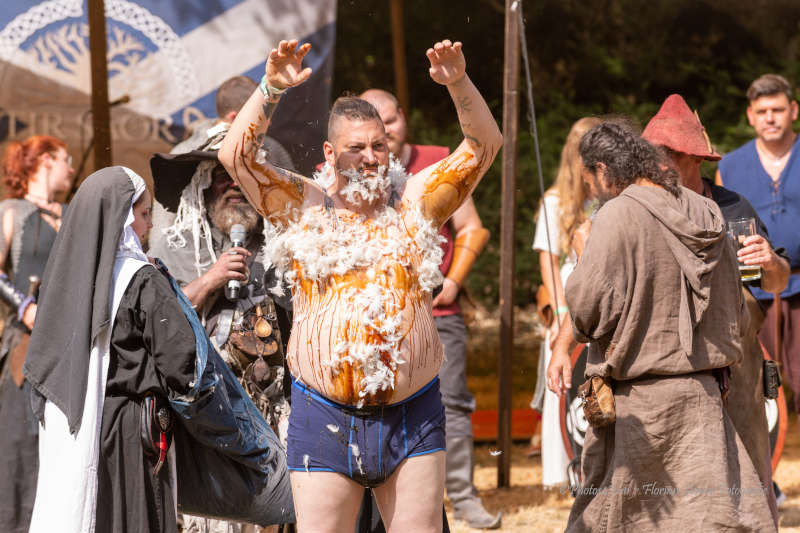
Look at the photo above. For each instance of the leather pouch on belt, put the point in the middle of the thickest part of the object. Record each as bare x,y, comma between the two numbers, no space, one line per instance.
256,335
598,401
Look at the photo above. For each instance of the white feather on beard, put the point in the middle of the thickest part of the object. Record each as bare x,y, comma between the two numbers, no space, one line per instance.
386,183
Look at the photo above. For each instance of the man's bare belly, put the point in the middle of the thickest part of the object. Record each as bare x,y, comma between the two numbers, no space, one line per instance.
342,335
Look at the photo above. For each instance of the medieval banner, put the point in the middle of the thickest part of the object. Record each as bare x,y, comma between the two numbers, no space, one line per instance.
166,59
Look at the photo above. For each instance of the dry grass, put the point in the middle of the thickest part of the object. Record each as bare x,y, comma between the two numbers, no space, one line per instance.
527,507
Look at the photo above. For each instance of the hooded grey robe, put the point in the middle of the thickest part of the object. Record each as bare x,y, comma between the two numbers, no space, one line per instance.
652,292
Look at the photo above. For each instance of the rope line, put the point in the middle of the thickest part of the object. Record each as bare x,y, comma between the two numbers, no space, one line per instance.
517,6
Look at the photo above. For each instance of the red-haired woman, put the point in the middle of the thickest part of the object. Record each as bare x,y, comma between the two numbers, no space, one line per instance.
36,173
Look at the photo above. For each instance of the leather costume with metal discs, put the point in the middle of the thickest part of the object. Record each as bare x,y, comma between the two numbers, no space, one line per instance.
246,331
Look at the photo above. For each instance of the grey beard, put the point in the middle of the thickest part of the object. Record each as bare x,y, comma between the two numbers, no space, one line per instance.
224,217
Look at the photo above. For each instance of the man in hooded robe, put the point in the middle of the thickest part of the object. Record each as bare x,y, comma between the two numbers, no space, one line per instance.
360,248
679,131
651,292
130,340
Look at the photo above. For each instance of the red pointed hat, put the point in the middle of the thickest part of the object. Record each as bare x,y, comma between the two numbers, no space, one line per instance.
678,128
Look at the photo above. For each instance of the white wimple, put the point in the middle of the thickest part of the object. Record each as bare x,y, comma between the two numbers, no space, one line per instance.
324,246
191,216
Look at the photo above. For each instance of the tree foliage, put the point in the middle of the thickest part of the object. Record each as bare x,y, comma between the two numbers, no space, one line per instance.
587,58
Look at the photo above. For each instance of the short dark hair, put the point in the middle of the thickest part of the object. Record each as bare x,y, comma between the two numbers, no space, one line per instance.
769,85
627,157
351,108
233,94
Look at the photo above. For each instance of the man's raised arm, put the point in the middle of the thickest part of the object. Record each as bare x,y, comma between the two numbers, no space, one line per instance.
272,191
441,188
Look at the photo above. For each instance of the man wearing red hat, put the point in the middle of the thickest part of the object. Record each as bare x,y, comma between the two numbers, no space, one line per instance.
766,171
679,131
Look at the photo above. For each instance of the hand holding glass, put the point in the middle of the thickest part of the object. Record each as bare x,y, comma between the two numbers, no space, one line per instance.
738,230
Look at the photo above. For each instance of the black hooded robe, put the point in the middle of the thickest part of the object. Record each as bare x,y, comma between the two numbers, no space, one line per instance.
149,345
152,351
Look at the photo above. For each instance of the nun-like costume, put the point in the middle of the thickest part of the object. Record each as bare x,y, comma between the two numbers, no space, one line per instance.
111,330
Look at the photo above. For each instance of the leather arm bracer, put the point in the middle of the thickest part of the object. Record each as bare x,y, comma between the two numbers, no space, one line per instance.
468,246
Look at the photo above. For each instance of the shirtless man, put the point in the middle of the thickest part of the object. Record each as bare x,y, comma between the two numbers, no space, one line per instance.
359,246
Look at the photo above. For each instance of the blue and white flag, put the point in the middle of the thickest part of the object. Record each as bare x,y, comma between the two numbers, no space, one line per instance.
169,57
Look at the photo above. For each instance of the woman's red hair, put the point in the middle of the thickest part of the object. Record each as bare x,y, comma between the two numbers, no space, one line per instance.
21,161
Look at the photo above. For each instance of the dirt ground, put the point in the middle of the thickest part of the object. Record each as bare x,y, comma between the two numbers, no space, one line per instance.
526,506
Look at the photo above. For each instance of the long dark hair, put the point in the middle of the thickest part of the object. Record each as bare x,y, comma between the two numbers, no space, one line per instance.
627,157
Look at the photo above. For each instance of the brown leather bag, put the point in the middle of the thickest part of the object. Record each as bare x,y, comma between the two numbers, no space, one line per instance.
598,401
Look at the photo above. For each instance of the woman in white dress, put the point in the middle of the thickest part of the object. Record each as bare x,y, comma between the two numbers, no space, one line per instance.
566,205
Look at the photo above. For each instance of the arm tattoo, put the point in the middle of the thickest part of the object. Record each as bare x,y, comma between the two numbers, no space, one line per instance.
294,178
465,127
298,184
269,106
253,150
464,104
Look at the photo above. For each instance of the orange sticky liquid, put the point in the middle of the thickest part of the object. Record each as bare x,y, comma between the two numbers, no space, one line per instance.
314,299
279,196
449,185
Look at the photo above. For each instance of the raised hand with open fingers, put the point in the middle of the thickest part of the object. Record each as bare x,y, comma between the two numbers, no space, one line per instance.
285,65
447,62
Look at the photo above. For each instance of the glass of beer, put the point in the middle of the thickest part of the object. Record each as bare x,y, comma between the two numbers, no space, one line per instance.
738,230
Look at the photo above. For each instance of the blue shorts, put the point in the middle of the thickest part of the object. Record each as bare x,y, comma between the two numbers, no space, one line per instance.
365,444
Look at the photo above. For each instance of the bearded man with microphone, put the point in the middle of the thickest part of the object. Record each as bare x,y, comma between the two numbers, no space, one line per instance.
214,250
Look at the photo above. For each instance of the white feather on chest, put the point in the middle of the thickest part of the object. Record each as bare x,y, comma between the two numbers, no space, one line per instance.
370,268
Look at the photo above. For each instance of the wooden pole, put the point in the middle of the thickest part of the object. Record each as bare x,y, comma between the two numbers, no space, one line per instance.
507,256
777,324
399,55
101,112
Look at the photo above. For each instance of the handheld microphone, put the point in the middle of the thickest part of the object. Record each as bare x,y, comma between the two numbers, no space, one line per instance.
238,236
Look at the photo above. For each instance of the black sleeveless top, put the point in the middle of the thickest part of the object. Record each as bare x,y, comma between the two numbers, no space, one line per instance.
37,240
